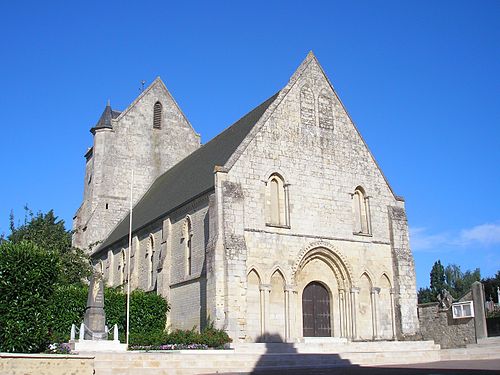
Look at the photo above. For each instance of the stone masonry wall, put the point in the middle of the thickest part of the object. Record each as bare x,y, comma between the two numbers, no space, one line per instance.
132,144
438,325
322,159
404,273
167,273
46,364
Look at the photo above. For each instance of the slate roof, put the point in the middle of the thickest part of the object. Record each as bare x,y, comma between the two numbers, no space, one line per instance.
191,177
105,120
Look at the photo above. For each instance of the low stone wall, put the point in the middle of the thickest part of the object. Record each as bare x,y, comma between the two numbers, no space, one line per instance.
438,324
45,364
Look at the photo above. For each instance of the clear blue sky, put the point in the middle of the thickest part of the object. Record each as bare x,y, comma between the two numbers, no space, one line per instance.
419,78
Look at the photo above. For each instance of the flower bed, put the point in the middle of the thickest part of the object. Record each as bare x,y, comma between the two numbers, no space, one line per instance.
58,348
169,347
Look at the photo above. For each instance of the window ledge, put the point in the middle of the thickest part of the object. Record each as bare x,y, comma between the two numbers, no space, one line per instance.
362,234
278,226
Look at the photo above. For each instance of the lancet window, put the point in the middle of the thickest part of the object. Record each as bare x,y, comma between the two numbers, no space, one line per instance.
277,201
361,211
157,115
187,239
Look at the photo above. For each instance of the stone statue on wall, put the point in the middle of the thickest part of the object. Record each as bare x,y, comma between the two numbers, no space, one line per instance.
95,317
445,299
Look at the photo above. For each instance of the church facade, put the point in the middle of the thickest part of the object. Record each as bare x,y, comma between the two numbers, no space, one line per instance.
281,227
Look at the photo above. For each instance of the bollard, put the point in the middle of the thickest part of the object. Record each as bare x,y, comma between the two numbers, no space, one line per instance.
72,335
115,333
82,332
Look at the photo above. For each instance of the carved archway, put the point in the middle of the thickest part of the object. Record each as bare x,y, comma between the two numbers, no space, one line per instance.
320,263
331,256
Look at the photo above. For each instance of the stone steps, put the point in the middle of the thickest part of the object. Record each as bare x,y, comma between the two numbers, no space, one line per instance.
248,357
368,346
490,341
488,348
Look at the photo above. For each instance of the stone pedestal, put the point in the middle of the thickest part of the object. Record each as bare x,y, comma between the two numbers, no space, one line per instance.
97,346
95,318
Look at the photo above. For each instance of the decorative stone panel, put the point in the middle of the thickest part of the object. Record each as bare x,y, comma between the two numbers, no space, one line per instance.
307,106
325,111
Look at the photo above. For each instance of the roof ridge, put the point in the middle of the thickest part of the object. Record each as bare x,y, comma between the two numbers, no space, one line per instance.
188,178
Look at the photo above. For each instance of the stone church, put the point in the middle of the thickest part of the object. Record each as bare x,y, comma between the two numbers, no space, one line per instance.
281,227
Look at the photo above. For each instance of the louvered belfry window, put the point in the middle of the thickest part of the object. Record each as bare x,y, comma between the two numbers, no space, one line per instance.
157,116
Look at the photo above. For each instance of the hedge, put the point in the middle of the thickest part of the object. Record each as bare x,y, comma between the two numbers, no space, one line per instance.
148,311
209,337
27,278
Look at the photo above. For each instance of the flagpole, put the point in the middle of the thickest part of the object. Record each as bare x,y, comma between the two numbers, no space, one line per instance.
128,257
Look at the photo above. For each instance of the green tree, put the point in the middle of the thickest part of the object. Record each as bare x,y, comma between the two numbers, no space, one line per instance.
48,232
458,282
425,295
468,278
451,278
27,278
490,287
437,279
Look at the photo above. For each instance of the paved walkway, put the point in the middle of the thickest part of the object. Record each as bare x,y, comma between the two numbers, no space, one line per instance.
477,367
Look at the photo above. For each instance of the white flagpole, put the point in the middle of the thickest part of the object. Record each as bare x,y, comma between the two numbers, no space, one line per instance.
128,257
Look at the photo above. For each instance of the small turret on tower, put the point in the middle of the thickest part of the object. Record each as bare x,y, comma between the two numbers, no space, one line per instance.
141,139
105,120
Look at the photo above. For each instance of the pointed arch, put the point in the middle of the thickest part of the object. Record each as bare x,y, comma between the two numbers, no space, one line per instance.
122,266
307,106
150,258
385,308
277,201
255,271
254,306
277,306
365,319
325,110
361,211
385,281
282,273
187,239
331,256
369,276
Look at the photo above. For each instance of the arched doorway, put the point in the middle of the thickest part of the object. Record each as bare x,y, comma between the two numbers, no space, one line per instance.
316,311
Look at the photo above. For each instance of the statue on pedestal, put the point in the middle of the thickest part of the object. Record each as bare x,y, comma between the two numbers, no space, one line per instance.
95,318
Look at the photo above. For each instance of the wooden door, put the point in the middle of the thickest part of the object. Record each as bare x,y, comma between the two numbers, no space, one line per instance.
316,311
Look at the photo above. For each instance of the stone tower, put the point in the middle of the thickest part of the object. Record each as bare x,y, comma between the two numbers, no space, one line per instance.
148,138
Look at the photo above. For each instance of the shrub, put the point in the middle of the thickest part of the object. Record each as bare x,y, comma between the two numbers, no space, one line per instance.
67,307
154,338
214,338
115,304
27,278
183,337
148,312
210,337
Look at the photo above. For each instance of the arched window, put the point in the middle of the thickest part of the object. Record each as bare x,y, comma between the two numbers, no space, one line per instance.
307,106
157,115
151,255
122,267
111,267
277,201
187,238
361,211
325,110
